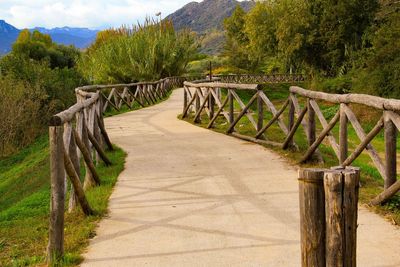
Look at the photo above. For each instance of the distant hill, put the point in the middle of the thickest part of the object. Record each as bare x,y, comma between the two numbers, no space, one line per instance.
79,37
207,17
8,34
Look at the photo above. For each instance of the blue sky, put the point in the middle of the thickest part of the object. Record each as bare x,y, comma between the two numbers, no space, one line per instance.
95,14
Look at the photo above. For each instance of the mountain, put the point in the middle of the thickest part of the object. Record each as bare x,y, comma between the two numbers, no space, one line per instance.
8,34
79,37
207,17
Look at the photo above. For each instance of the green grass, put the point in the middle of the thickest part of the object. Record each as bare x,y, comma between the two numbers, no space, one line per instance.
24,207
24,204
372,182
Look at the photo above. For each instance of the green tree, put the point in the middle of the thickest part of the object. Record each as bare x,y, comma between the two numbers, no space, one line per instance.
379,71
236,40
40,47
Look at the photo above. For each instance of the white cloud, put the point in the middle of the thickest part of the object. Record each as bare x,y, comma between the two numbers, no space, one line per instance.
83,13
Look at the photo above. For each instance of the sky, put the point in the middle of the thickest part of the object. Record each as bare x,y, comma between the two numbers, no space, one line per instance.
94,14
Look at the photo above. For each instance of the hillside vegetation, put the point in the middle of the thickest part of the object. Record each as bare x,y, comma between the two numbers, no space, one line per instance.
342,45
37,80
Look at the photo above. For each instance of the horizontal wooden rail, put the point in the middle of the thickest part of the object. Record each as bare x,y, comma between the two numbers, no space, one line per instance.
368,100
223,85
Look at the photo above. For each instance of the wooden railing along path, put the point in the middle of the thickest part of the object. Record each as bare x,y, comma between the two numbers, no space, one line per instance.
78,133
261,78
202,99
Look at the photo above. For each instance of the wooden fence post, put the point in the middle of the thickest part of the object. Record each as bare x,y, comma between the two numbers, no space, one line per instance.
211,104
260,116
341,199
185,98
231,107
311,123
291,119
312,217
197,105
343,143
390,150
55,248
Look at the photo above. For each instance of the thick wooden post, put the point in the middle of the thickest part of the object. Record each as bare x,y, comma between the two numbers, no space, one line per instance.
260,115
343,142
312,217
231,107
55,248
390,144
311,123
341,199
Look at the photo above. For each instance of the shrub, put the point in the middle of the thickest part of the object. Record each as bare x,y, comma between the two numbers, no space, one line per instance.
143,52
21,106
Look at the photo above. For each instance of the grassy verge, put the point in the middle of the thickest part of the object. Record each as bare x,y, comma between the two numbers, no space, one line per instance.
371,181
24,204
24,207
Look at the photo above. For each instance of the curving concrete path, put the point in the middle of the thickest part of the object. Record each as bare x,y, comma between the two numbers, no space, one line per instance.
193,197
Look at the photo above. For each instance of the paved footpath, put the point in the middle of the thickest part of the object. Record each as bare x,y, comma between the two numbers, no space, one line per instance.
193,197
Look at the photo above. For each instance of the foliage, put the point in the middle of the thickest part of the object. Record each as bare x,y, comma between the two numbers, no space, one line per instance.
37,80
344,46
236,40
39,47
21,109
309,36
143,52
380,69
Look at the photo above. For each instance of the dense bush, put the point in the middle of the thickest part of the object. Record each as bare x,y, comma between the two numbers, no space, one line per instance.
143,52
21,112
380,70
342,45
37,80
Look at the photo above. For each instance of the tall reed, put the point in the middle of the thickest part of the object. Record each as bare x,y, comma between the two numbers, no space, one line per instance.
147,51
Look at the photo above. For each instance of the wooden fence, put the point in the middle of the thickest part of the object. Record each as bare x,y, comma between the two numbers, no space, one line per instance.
261,78
78,134
202,98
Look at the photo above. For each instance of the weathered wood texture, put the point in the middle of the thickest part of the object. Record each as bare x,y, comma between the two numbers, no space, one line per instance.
312,217
341,200
55,247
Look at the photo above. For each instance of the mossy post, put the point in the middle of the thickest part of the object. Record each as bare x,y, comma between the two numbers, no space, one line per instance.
55,248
